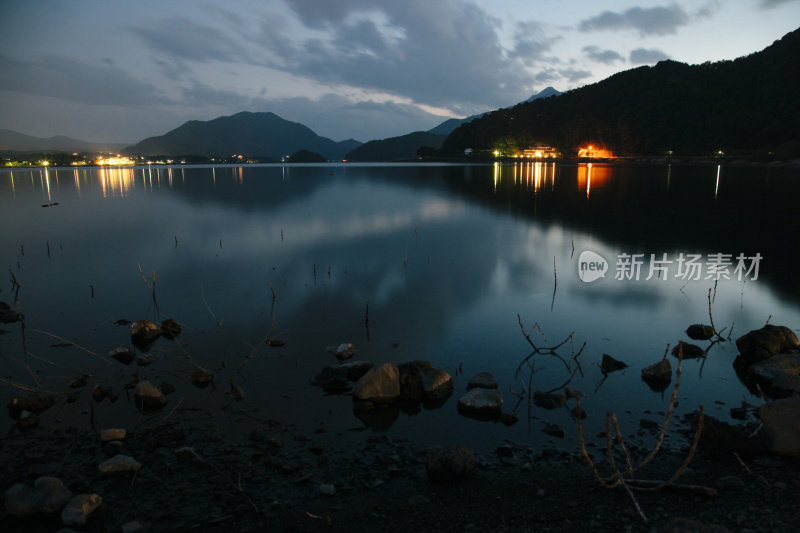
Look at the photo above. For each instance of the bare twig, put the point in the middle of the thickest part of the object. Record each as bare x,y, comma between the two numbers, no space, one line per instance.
763,480
24,387
78,346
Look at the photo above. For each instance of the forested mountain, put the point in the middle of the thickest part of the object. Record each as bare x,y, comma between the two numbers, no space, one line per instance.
394,148
748,106
446,127
251,134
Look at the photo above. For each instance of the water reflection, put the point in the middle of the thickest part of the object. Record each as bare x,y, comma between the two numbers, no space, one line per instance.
589,174
534,175
446,256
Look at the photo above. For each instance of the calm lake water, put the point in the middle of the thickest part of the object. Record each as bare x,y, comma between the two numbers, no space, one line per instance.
445,257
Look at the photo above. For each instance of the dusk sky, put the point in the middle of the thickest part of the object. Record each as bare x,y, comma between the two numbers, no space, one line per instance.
120,71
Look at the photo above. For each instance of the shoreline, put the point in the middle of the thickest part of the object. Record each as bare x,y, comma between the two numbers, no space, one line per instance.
280,479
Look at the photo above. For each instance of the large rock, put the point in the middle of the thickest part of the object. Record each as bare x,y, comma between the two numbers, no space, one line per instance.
411,379
170,329
355,369
778,376
548,400
78,509
482,380
148,397
436,384
781,431
760,344
688,351
609,364
123,354
144,333
719,439
700,332
484,404
338,378
29,401
454,463
48,495
381,385
658,376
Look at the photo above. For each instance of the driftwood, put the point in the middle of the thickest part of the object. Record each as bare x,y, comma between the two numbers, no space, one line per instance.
630,484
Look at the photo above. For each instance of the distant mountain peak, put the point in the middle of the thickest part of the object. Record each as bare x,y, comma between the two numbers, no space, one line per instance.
547,92
260,134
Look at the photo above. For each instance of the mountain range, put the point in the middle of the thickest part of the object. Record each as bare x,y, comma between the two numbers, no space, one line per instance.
14,141
259,135
743,107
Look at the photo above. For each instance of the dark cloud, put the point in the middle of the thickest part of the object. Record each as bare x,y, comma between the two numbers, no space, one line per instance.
546,76
769,4
178,40
414,48
574,75
68,79
647,21
531,42
199,94
606,57
641,56
708,9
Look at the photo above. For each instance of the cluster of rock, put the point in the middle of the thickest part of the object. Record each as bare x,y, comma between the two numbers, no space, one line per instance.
379,393
658,376
48,494
145,333
415,381
483,401
25,407
769,361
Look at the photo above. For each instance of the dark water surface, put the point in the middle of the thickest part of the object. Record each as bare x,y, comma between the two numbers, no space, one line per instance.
445,256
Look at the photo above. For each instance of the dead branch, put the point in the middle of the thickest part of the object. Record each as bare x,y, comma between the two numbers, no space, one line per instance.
78,346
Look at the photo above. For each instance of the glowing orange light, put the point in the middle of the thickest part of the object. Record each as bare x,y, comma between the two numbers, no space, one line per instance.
591,152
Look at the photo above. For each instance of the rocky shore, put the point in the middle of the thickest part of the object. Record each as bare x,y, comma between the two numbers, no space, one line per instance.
189,469
184,476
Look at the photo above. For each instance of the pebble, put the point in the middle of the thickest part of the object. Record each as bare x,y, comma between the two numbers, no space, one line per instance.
78,509
110,434
27,420
148,396
327,489
119,464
